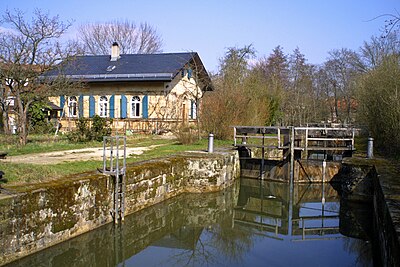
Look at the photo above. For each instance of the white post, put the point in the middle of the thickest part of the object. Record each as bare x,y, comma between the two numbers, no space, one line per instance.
370,148
234,135
210,143
292,140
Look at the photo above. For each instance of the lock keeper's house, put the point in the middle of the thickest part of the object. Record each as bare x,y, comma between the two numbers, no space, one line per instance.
140,92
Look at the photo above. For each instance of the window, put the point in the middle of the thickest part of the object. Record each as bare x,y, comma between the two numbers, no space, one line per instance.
10,101
103,106
72,106
135,107
110,68
193,111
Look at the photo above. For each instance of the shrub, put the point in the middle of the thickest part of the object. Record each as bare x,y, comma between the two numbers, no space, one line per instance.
186,135
84,132
379,108
100,127
42,127
38,123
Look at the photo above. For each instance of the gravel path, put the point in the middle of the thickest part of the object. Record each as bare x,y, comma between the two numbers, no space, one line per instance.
72,155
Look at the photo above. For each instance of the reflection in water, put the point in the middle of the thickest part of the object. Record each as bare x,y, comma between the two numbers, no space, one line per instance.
254,223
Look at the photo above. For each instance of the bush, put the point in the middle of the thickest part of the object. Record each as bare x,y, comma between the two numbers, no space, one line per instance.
38,123
42,127
186,135
100,127
379,107
85,133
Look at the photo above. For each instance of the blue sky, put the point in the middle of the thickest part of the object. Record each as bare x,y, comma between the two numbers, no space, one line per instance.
210,27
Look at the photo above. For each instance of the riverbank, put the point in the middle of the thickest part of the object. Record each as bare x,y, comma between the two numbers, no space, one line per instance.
382,181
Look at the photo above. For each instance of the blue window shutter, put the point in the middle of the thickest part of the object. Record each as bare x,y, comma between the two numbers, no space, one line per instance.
80,106
62,101
189,73
112,111
145,104
124,105
91,106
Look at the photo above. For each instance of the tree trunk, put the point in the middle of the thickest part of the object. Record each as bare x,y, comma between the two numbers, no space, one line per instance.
198,119
6,126
22,121
336,112
23,131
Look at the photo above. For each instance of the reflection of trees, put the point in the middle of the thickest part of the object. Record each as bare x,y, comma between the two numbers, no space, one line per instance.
360,248
206,229
221,238
231,241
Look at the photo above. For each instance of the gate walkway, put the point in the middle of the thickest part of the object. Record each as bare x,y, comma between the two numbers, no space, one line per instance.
304,141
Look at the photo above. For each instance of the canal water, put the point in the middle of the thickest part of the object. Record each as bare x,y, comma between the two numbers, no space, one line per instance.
253,223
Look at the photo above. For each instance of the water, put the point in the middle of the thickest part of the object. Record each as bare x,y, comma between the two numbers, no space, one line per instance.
253,223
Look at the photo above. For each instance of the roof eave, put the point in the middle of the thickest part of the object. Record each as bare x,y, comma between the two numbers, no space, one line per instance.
119,77
127,80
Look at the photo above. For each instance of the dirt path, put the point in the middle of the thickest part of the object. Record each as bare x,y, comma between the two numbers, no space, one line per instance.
72,155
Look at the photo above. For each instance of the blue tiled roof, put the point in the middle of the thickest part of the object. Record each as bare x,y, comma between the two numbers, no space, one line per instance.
132,67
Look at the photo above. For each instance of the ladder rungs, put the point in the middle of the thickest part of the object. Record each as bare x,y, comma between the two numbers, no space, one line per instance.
114,169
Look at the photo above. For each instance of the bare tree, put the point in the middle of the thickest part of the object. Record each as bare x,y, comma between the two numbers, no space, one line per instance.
27,51
373,52
97,38
392,23
168,106
197,83
226,105
299,94
342,69
5,105
324,108
275,69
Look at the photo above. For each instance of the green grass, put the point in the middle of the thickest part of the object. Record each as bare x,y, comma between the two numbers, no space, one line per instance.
49,143
34,173
40,144
360,143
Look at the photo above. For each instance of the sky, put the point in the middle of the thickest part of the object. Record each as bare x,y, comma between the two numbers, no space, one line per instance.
211,27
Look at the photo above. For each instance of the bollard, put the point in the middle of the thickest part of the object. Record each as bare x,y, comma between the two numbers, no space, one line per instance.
370,148
244,140
210,143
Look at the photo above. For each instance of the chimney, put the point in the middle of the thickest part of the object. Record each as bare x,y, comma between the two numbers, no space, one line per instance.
115,53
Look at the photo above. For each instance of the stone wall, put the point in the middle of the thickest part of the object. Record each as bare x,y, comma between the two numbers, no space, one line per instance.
354,181
185,216
386,202
40,216
376,182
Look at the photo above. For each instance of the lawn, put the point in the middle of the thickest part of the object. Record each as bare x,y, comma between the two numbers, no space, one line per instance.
34,173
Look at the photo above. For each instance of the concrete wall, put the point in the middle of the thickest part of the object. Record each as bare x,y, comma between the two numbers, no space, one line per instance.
43,215
305,171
